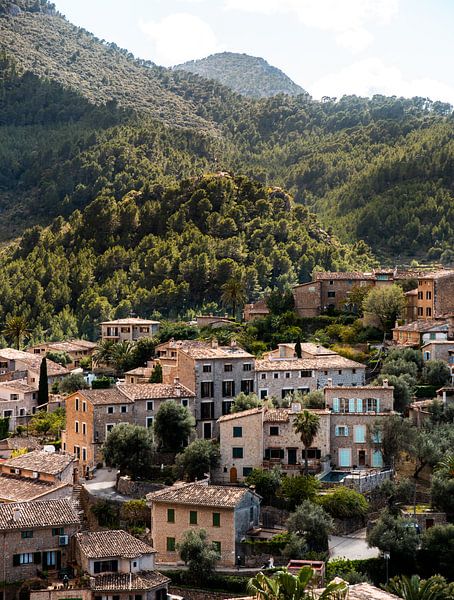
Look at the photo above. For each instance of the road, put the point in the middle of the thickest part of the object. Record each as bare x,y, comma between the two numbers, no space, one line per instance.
103,485
352,546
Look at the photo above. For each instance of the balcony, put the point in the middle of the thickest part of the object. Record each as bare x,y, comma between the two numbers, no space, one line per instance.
314,466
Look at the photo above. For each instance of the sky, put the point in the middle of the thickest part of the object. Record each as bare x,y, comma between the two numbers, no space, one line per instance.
329,47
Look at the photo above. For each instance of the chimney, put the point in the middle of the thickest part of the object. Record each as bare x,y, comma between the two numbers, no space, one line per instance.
233,343
176,380
17,514
318,349
385,383
214,343
329,382
396,324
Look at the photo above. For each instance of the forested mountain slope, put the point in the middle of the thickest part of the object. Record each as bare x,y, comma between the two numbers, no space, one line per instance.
248,75
80,118
164,249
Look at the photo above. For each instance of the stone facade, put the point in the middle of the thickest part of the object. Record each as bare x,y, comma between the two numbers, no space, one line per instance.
420,332
18,401
131,329
436,294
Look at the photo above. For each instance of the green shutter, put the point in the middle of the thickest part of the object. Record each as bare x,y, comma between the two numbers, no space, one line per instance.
193,517
216,519
37,558
170,544
16,560
170,515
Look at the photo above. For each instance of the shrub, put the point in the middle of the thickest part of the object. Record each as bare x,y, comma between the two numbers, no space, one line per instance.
344,503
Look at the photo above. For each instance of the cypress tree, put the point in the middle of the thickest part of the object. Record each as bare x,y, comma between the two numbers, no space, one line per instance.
156,376
298,350
43,388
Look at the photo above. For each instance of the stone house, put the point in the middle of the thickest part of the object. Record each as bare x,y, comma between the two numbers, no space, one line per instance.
36,537
216,374
417,333
277,377
263,437
355,412
225,513
15,364
435,294
130,329
42,465
308,350
440,350
91,414
18,401
11,444
76,349
255,310
119,564
140,374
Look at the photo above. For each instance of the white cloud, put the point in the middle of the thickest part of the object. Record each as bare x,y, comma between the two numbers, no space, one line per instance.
180,37
346,19
373,76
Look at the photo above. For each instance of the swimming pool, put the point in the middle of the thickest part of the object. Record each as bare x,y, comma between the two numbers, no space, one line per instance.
335,476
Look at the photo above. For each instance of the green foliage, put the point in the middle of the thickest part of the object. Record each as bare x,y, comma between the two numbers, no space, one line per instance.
395,535
16,328
156,376
386,303
404,386
61,358
307,425
313,522
198,554
101,383
72,383
45,424
197,459
136,513
296,489
107,513
436,373
244,401
266,482
412,588
43,385
129,448
344,503
283,585
371,569
173,425
437,550
4,427
217,581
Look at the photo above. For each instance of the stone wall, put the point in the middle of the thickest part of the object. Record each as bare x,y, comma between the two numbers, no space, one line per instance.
137,489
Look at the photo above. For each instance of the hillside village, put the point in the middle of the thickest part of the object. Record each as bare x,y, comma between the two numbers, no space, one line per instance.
205,438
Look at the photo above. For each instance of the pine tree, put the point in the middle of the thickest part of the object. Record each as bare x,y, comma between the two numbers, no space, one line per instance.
43,388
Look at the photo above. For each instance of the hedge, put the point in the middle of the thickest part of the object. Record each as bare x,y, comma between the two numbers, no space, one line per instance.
217,582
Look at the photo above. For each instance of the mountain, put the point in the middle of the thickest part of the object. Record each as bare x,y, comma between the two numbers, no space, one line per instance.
82,119
247,75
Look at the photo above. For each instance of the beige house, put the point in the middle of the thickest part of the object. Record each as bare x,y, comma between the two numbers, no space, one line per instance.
36,536
263,437
130,329
76,349
420,332
18,401
225,513
15,364
119,564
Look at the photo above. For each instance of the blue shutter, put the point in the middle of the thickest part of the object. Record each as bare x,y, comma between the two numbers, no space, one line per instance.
377,459
346,430
378,405
344,457
337,430
359,405
351,405
336,404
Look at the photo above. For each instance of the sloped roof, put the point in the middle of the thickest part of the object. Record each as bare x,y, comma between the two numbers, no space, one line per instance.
19,385
130,321
197,494
238,415
141,581
42,513
422,325
143,391
14,488
33,361
205,350
107,396
51,463
108,544
334,361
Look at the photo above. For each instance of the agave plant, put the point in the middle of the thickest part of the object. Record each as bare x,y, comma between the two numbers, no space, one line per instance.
413,588
284,585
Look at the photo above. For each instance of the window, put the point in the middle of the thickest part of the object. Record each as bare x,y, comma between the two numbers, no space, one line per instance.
428,312
170,515
288,375
228,367
247,471
109,427
217,547
420,313
123,408
313,453
331,282
206,389
184,402
343,405
247,366
274,453
305,374
428,295
354,371
206,369
331,294
150,405
419,295
105,566
150,422
341,430
26,559
207,430
340,371
376,437
433,336
84,454
28,533
76,402
226,406
84,406
275,375
192,517
216,519
14,397
263,394
247,386
207,410
372,405
76,426
237,432
77,451
285,392
237,452
263,376
84,428
360,434
228,389
274,430
110,410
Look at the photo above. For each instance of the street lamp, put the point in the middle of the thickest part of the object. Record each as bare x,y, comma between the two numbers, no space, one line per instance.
387,556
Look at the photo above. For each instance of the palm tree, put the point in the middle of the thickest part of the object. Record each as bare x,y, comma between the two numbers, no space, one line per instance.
104,352
415,589
307,425
121,354
233,293
16,329
447,465
284,585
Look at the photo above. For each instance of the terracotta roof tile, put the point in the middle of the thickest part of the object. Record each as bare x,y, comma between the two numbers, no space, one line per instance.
109,396
33,361
14,488
131,321
42,513
143,580
19,385
205,350
422,325
144,391
198,494
51,463
108,544
305,364
237,415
